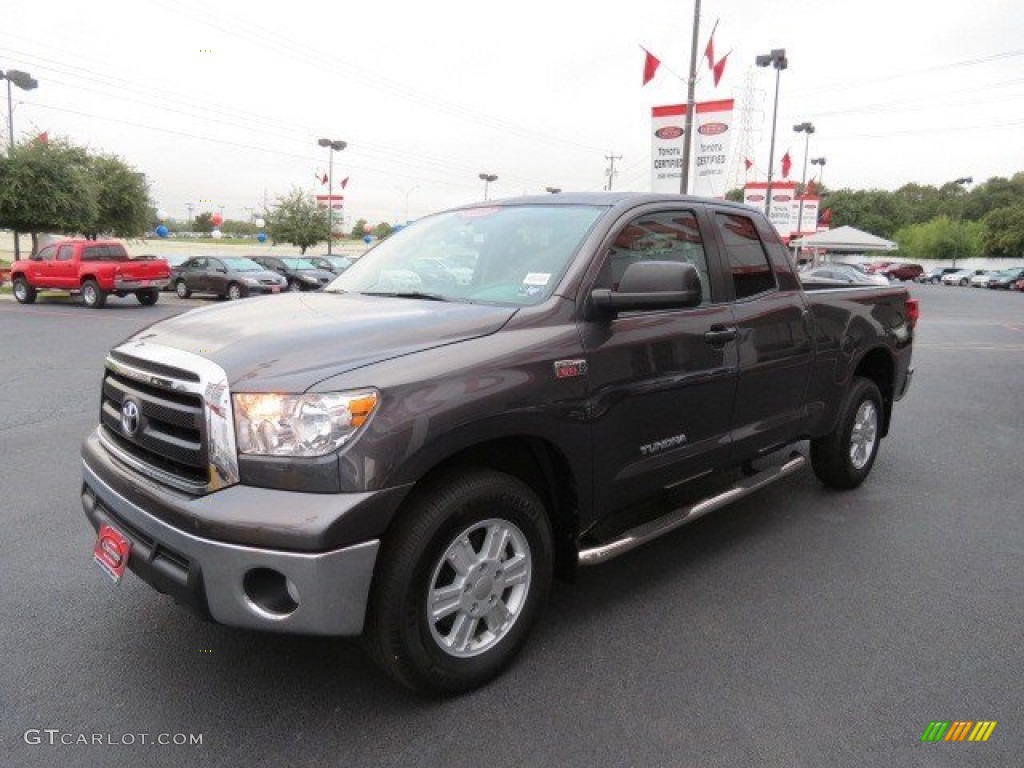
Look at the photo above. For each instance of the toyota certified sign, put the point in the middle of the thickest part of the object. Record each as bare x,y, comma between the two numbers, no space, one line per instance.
669,132
712,129
781,198
755,198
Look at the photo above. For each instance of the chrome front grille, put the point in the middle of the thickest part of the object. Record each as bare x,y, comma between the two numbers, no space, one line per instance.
166,414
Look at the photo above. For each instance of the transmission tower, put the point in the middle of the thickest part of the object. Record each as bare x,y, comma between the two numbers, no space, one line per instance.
751,110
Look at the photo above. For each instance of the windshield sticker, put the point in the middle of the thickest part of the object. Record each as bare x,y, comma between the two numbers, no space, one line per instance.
537,278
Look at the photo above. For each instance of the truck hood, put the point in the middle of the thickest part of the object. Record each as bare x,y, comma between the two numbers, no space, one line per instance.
290,342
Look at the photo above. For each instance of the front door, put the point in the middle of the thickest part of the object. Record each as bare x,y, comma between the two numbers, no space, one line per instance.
661,389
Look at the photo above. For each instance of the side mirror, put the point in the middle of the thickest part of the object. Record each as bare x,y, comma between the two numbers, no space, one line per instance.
651,285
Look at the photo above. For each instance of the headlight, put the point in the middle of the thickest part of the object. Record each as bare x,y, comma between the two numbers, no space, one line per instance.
300,425
250,281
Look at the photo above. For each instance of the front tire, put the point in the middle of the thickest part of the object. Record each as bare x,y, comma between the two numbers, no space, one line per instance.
181,289
843,458
148,296
23,292
461,579
234,292
93,296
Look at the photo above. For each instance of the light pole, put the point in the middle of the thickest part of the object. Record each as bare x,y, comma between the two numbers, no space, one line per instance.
553,190
333,146
807,129
821,174
487,178
777,59
26,82
407,192
962,181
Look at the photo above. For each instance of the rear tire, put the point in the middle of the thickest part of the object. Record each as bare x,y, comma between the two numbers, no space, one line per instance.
23,292
148,296
181,289
461,578
843,458
93,296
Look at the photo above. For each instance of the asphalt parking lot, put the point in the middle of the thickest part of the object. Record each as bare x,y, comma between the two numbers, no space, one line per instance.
799,627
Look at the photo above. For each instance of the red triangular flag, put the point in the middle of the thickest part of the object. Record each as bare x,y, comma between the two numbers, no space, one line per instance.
344,182
810,188
709,52
748,163
651,64
787,163
826,217
719,68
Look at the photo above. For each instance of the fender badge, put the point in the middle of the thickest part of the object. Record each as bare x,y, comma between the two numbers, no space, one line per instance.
566,369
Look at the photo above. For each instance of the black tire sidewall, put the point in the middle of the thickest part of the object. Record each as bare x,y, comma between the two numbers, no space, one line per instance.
444,514
831,455
29,293
90,286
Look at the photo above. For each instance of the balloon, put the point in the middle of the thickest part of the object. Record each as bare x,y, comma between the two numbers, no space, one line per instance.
161,215
262,237
260,223
367,239
367,227
216,234
161,231
216,219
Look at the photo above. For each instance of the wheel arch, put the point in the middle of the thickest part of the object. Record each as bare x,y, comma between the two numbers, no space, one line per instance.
879,366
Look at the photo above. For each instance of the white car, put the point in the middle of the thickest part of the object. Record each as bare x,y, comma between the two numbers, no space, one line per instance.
844,273
960,277
981,279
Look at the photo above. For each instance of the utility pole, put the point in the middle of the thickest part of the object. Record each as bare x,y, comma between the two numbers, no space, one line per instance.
610,172
691,85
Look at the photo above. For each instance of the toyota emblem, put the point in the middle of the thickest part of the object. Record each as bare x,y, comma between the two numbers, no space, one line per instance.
130,417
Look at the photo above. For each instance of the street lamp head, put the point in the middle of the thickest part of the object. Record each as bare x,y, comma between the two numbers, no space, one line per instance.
804,128
553,190
818,161
763,60
964,180
324,142
777,58
23,80
337,146
488,177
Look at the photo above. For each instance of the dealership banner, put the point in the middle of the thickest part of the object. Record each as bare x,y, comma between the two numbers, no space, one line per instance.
782,213
667,132
710,150
807,224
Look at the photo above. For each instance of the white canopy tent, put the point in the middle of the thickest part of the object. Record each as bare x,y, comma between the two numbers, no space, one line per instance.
845,239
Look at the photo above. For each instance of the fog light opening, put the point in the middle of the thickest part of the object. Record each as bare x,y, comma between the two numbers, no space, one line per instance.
271,592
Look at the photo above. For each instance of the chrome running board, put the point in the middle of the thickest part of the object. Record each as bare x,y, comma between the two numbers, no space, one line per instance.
641,534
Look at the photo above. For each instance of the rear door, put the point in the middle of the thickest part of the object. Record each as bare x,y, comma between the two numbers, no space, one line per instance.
773,333
661,386
65,270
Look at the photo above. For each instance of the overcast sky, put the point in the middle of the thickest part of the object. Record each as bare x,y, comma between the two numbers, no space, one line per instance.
222,102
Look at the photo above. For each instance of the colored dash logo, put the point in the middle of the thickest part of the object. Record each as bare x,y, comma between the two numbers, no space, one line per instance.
958,730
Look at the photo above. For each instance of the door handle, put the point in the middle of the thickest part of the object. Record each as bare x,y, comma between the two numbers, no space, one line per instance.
720,334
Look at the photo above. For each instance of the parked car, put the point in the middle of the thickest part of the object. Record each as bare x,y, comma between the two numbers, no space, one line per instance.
876,266
334,264
93,268
902,272
981,278
935,274
871,276
842,273
418,467
229,277
960,277
1006,278
300,274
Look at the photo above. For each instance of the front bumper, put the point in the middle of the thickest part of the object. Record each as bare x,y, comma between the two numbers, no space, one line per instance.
321,593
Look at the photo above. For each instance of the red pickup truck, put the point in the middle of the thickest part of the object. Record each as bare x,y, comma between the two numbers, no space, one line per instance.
94,268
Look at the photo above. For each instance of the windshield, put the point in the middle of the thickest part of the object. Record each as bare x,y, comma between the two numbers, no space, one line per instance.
499,254
298,264
242,265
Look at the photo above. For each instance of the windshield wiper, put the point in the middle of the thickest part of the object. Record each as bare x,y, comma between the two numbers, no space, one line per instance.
409,295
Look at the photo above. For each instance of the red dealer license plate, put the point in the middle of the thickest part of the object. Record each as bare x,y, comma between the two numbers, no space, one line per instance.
111,552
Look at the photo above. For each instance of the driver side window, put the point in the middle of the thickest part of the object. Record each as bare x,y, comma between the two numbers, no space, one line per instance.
663,236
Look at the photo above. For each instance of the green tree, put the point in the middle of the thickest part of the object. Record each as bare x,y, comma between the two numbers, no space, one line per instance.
237,228
47,188
382,230
1002,232
940,238
203,223
296,219
358,229
122,198
736,195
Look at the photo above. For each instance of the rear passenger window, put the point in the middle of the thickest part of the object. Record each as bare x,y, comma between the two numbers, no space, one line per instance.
65,252
662,236
748,262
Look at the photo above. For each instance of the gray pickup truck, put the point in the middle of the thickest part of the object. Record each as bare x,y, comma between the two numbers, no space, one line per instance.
494,396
